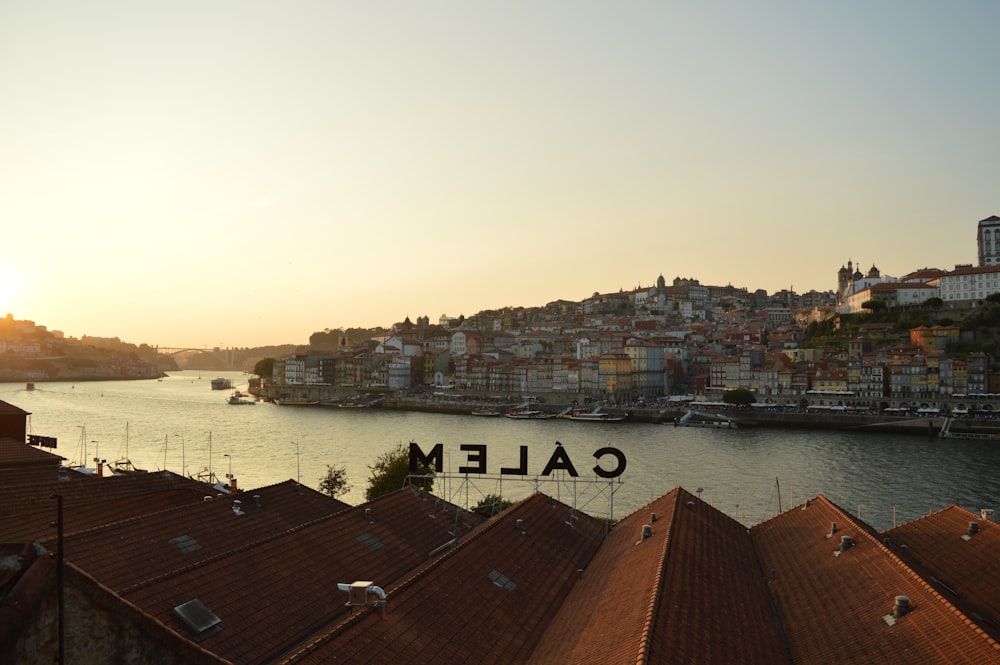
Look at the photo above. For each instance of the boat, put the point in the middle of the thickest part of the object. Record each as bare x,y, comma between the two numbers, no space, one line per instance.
485,412
30,386
525,412
694,419
355,404
595,416
238,399
81,467
221,384
296,402
124,465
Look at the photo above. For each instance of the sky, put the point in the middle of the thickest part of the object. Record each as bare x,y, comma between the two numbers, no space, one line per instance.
222,173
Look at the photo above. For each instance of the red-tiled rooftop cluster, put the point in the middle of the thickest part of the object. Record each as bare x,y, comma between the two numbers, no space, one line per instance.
264,580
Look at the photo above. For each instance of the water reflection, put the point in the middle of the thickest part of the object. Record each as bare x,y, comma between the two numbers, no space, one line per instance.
746,473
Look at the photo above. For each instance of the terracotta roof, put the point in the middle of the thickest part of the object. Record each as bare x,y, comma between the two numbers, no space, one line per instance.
487,601
690,592
833,608
7,409
962,568
274,592
156,543
27,511
17,453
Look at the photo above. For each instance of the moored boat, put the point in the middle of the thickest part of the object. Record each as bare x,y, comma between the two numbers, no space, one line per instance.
529,414
238,398
595,416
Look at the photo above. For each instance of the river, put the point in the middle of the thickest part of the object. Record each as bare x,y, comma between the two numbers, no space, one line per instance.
177,421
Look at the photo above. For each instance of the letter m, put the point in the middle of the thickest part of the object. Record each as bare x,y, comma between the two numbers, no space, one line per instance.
417,457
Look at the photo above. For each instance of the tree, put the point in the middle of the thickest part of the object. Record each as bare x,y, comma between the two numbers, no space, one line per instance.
264,368
334,482
738,397
492,504
389,472
874,306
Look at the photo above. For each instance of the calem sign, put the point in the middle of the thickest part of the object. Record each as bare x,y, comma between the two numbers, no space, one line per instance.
559,460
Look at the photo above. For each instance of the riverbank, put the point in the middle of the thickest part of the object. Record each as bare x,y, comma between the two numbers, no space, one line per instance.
914,425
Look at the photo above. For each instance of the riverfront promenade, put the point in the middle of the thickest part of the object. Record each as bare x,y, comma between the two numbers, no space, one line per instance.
742,417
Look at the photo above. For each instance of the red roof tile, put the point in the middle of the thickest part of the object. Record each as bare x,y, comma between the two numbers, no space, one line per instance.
962,568
690,592
276,591
487,601
832,607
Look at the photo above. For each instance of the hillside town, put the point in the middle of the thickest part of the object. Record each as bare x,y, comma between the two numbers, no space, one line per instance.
873,342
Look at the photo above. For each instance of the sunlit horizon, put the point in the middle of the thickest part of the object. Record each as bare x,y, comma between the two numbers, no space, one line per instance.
246,174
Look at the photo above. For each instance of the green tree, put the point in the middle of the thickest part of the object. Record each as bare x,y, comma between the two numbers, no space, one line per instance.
334,482
492,504
389,472
739,397
874,306
264,368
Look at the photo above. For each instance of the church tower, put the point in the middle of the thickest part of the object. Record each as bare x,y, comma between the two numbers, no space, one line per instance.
988,241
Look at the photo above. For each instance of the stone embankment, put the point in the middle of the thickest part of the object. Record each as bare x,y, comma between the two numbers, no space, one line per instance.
855,422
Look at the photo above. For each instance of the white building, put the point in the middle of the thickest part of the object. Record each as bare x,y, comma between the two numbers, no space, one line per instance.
969,284
988,241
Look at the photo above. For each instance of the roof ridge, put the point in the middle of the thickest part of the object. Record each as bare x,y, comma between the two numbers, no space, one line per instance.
654,599
931,514
917,578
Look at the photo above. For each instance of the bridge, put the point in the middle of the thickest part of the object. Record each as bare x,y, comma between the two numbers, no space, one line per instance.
228,355
171,350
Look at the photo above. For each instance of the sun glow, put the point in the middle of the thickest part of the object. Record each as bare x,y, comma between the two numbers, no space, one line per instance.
10,287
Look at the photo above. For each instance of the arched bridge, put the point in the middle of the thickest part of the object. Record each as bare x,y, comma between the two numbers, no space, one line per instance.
228,356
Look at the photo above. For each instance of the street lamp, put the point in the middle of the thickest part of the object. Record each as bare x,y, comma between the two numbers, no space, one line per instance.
229,476
298,468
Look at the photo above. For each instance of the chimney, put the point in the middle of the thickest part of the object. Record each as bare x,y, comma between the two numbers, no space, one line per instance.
647,531
232,487
652,517
845,544
973,528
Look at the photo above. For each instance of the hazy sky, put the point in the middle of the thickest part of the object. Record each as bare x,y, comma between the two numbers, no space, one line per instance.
219,173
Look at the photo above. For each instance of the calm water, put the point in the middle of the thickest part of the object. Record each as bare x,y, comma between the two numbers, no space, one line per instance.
173,423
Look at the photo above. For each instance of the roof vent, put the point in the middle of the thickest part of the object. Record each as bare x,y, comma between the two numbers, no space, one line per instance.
973,530
690,504
365,594
987,514
845,544
519,525
256,499
647,531
237,509
652,517
901,608
368,514
200,621
833,529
